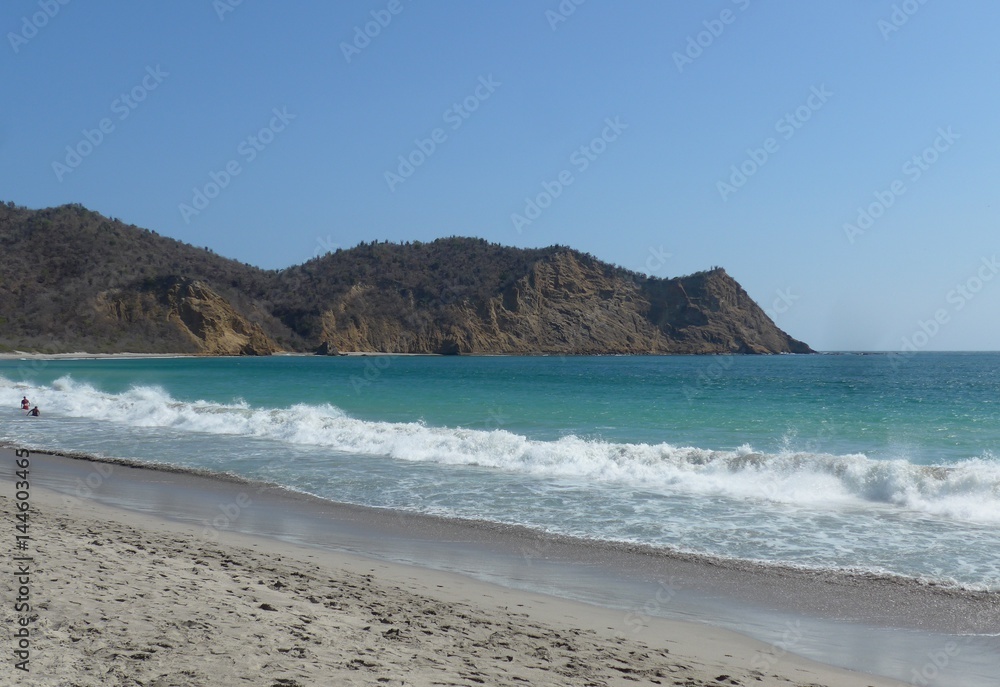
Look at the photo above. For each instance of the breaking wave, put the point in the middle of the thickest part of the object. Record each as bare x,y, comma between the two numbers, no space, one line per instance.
966,490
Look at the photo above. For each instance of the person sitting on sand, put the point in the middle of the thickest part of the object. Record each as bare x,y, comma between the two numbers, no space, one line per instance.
34,412
25,403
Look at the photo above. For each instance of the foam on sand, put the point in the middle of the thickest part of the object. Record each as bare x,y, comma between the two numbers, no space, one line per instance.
131,597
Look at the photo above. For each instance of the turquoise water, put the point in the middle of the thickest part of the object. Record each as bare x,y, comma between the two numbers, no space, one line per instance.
868,462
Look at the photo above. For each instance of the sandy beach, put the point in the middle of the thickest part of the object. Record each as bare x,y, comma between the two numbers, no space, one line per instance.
81,355
125,598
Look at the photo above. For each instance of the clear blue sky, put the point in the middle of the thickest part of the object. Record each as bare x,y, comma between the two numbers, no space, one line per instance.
512,92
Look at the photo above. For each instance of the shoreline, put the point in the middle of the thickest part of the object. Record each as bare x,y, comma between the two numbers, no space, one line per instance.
489,528
527,563
134,597
82,355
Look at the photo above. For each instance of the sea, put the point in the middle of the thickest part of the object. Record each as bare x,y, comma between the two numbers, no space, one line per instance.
878,463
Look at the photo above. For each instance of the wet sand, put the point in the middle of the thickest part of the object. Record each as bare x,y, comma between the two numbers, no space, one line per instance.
317,593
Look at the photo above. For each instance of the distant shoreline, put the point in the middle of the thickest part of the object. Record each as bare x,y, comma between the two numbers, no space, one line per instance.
22,355
82,355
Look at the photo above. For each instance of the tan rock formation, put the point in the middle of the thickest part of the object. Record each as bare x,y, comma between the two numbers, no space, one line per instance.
569,305
201,316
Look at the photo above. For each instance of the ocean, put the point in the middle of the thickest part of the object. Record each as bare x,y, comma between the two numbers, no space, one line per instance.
858,462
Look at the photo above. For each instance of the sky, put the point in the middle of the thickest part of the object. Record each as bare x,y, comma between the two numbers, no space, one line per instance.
838,159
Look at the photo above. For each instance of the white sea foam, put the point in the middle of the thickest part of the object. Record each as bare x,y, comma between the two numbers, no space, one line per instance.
968,490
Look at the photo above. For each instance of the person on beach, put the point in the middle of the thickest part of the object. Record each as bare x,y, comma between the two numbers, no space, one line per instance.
34,412
25,403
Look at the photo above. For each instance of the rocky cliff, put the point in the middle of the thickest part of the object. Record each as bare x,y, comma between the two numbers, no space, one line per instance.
190,313
71,279
568,303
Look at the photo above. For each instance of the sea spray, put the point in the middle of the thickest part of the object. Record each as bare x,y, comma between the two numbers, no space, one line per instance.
966,490
822,462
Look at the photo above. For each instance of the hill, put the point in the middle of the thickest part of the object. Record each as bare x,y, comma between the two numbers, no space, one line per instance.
72,279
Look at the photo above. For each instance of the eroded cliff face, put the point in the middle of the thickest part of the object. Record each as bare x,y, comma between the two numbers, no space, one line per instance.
709,311
566,305
98,284
191,314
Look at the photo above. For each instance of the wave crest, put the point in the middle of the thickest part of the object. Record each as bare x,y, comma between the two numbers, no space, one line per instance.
967,490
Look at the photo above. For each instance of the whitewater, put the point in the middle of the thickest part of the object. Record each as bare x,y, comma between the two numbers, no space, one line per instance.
822,462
